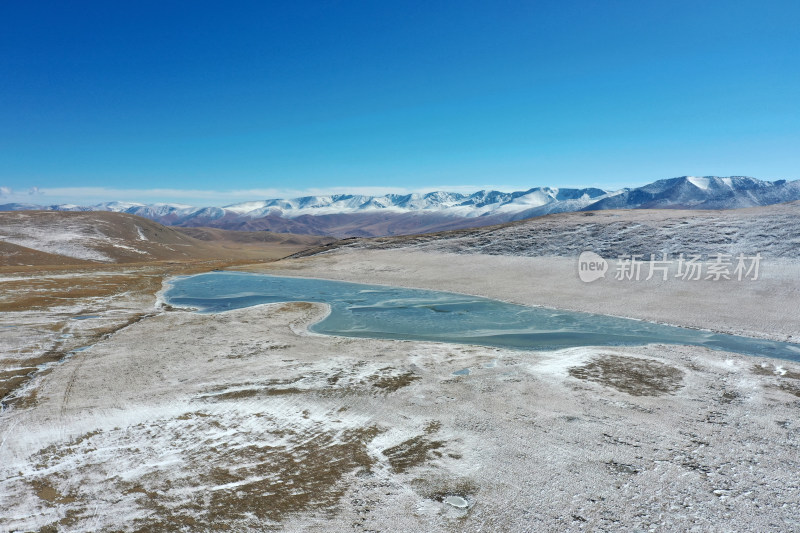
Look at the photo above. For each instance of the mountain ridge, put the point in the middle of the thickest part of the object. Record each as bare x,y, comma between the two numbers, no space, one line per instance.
346,215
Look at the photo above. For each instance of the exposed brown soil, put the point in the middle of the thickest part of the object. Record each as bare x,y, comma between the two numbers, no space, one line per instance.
772,370
14,255
637,377
391,383
412,452
46,492
439,488
790,388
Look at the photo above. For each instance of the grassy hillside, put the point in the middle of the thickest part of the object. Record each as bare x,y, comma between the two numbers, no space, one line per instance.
49,238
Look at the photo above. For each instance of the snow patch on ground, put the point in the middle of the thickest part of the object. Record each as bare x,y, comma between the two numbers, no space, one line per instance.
68,240
129,248
66,244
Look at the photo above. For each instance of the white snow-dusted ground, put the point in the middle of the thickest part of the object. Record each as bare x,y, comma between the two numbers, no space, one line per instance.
69,237
254,426
772,231
38,338
65,242
141,235
244,421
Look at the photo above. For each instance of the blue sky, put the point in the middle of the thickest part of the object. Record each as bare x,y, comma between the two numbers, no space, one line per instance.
211,102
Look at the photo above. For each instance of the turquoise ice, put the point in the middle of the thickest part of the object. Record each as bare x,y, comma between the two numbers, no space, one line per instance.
384,312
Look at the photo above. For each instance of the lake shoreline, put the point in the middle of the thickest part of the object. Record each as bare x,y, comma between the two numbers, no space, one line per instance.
402,314
737,308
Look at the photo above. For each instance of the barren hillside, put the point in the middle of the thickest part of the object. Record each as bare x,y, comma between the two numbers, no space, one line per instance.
35,238
253,237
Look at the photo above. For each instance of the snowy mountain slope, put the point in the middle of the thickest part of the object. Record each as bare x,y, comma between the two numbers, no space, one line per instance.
395,214
703,193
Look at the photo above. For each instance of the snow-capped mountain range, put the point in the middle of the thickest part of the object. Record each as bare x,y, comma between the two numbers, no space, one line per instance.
394,214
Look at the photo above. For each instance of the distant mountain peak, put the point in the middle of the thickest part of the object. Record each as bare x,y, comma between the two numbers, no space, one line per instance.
435,210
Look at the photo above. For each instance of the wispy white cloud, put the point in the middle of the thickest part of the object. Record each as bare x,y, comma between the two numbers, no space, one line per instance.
5,192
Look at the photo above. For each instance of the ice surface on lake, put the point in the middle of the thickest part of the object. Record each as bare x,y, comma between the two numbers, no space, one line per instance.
359,310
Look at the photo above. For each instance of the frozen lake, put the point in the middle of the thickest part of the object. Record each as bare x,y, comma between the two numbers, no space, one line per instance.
384,312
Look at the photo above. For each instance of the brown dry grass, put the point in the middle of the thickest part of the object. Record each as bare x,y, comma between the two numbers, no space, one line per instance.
392,383
635,376
269,483
412,452
125,238
772,370
781,377
37,287
38,290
